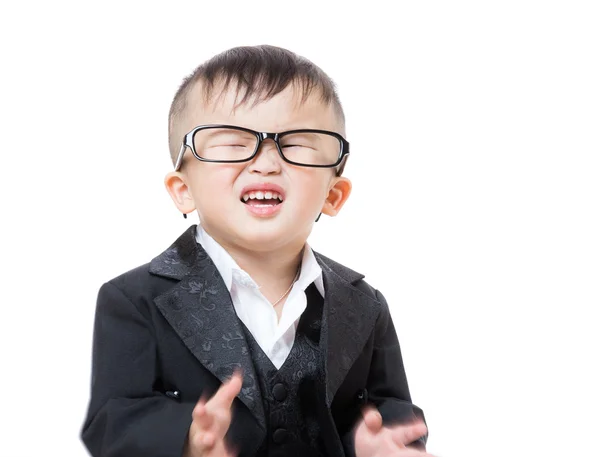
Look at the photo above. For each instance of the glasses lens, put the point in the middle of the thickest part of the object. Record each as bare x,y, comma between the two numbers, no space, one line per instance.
224,144
310,148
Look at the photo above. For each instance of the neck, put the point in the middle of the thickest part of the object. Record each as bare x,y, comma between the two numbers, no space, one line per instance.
273,271
276,268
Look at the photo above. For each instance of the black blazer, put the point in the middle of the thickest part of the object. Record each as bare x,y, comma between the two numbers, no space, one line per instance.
166,333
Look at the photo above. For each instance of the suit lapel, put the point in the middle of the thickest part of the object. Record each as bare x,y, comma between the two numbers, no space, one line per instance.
350,316
200,310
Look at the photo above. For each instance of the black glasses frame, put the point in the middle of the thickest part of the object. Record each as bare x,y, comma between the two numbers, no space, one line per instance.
188,142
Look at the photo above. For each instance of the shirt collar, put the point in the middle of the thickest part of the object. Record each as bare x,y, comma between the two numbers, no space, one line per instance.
309,273
220,257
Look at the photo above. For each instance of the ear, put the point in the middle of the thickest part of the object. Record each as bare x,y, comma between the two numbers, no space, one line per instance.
179,192
337,196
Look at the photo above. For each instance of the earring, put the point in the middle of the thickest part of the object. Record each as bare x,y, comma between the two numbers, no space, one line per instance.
318,217
184,216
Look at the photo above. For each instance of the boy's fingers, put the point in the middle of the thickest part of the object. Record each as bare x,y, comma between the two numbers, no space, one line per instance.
406,434
211,418
201,441
201,416
199,410
208,440
227,392
372,419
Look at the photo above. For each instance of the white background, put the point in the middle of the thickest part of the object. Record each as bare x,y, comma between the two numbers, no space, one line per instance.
475,132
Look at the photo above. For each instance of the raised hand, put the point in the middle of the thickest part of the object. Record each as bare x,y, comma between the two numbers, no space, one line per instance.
211,421
371,439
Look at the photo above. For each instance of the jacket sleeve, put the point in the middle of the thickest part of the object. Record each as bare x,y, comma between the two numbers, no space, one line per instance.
126,416
387,387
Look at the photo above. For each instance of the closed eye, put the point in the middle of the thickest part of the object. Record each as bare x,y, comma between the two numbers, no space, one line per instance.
228,146
297,146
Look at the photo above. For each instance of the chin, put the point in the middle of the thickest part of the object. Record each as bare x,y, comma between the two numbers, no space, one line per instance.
267,237
261,240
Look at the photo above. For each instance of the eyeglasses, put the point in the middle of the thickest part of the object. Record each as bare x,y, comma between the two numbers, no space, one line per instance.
231,144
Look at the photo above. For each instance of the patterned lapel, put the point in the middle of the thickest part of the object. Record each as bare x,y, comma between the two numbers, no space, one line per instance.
350,316
200,310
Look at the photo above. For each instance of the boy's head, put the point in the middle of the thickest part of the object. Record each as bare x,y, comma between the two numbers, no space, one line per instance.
253,191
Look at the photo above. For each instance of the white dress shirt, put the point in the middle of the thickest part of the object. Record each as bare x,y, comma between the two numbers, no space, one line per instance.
254,310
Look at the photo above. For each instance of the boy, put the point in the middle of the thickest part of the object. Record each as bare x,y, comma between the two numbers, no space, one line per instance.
239,339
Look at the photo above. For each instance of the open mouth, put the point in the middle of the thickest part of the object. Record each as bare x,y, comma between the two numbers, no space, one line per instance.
261,198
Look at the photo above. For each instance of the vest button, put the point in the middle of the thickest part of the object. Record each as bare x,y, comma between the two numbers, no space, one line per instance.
279,392
280,435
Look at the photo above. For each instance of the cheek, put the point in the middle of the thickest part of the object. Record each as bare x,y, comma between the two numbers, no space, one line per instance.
312,188
213,185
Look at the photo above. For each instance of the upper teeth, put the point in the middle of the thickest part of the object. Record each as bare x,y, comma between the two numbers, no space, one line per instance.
259,195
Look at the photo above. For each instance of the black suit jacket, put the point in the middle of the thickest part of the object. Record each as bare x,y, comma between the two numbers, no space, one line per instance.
166,333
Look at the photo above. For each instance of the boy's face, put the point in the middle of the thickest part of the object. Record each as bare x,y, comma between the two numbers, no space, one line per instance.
216,190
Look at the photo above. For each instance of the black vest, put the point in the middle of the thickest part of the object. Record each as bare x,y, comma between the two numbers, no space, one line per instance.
289,394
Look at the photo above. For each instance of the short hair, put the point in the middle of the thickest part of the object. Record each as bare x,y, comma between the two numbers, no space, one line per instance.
258,73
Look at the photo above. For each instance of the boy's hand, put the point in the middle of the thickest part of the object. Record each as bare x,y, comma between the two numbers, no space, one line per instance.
371,439
211,421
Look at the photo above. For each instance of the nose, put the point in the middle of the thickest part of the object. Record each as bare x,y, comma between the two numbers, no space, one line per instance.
267,160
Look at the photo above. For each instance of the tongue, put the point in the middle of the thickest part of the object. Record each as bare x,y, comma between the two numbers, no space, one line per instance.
266,201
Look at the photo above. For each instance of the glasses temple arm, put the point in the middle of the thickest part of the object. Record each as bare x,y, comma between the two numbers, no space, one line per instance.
180,157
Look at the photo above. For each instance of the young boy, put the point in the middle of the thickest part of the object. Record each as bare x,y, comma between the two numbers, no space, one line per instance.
239,339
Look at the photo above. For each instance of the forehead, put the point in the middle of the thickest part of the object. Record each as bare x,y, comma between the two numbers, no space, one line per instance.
286,110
